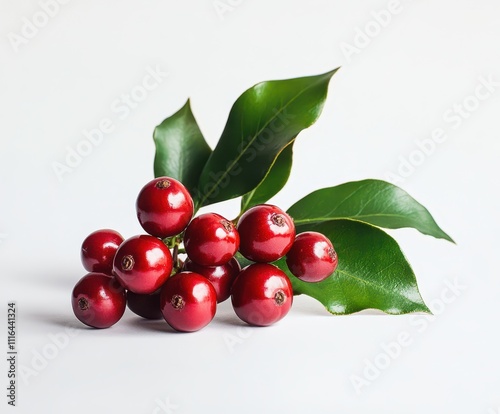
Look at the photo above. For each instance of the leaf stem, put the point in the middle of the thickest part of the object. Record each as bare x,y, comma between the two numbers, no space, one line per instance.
175,255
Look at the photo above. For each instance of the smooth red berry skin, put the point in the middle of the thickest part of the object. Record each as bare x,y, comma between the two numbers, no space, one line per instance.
266,233
146,306
164,207
98,300
261,294
98,250
211,240
188,301
221,277
312,257
142,264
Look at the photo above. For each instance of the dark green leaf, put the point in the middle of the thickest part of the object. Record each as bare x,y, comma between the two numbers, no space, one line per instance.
274,181
242,260
372,272
181,150
371,201
263,120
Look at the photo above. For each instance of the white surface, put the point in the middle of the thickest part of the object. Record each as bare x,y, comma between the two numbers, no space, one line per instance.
395,91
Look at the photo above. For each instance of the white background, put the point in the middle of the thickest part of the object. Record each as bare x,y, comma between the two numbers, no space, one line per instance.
393,90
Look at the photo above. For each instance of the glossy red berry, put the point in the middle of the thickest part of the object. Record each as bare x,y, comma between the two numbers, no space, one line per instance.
261,294
142,264
98,250
188,301
312,257
164,207
221,277
266,233
147,306
98,300
211,240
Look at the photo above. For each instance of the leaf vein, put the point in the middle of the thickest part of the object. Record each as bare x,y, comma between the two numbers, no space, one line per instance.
252,140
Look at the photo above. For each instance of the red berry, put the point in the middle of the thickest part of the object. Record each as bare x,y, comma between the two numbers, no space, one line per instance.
262,294
188,301
211,240
147,306
98,300
164,207
221,277
142,264
98,250
266,233
312,257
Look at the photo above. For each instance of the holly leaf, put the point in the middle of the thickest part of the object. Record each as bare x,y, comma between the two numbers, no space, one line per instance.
372,273
181,149
370,201
273,182
263,120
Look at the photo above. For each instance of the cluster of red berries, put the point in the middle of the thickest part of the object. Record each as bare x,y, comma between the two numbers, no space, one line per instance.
146,274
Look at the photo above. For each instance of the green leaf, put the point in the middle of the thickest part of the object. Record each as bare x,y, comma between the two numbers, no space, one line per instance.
181,150
263,120
242,260
273,182
371,201
372,272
